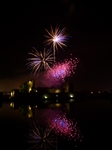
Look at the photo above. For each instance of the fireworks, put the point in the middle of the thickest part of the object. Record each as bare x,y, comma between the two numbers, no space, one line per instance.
40,60
65,127
40,138
56,38
60,71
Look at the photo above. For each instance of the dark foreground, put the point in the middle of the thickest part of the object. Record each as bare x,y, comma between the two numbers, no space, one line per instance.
94,119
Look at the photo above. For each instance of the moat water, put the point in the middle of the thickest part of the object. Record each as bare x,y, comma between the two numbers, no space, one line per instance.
94,119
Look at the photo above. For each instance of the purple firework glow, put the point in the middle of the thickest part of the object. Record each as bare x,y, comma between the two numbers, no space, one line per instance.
64,127
60,71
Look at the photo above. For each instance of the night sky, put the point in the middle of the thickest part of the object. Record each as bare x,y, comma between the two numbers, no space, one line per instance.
22,26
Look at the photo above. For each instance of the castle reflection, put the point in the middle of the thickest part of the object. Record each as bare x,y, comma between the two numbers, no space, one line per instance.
30,110
26,110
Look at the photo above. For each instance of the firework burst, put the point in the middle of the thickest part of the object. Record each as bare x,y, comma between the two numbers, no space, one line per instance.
56,38
40,138
60,71
39,60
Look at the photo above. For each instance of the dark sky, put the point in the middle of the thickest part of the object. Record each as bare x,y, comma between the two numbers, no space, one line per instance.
22,26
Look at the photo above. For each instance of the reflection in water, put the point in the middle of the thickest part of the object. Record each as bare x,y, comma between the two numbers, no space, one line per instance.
25,109
64,127
94,119
12,104
40,137
30,110
53,117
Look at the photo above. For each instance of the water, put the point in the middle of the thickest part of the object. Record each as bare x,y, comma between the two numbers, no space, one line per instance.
94,119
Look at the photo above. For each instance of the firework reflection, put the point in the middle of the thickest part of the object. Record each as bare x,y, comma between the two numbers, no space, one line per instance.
66,128
39,137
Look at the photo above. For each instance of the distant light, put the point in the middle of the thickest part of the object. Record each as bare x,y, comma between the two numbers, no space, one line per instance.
30,89
56,95
71,95
35,90
71,100
12,93
29,107
36,106
30,114
57,91
99,92
30,82
58,104
56,100
12,104
91,92
46,101
45,97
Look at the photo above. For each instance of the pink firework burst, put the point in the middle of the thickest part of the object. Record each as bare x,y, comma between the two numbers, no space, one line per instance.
60,71
65,127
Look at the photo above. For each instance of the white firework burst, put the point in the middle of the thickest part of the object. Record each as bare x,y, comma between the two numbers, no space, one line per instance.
56,38
39,60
